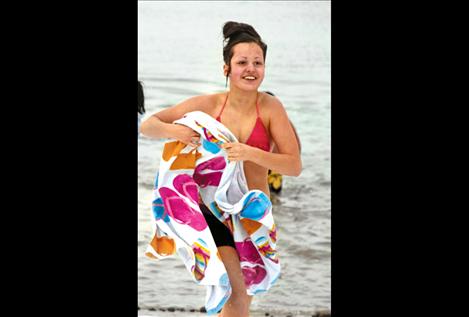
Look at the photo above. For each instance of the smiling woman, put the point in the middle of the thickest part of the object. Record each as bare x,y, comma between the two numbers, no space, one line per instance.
258,121
248,65
247,42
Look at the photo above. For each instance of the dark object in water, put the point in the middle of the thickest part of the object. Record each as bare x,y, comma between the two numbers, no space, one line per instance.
274,180
141,98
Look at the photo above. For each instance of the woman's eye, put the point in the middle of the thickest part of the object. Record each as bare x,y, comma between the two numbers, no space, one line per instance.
241,62
258,63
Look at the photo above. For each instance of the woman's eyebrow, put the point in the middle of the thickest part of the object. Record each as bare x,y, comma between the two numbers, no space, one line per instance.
257,57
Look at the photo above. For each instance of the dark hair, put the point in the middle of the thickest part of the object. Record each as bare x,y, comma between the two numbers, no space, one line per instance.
235,33
141,99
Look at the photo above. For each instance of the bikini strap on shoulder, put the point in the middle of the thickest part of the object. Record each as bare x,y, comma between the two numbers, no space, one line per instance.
223,107
257,104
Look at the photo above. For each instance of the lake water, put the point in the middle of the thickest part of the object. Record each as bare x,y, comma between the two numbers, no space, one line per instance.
179,56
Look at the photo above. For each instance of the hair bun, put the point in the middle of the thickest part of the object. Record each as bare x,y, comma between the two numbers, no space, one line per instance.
232,29
235,33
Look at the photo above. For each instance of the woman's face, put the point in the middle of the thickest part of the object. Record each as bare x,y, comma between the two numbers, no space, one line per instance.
247,66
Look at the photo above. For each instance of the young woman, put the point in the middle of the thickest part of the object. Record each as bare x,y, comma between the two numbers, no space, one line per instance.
257,119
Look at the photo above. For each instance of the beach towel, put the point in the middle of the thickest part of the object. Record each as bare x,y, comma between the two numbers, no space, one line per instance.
180,228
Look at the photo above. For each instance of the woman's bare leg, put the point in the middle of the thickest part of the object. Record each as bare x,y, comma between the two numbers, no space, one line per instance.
239,302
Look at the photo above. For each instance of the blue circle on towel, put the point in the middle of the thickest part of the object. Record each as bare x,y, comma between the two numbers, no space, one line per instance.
158,210
211,147
255,208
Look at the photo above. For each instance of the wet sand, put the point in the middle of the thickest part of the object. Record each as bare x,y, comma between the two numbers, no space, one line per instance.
146,313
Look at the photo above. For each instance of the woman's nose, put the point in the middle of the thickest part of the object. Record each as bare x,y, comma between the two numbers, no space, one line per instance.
250,67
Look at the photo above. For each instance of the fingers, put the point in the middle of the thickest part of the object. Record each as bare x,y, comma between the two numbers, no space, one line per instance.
227,145
232,153
194,140
231,149
187,136
193,145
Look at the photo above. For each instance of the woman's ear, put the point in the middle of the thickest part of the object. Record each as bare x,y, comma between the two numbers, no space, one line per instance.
226,70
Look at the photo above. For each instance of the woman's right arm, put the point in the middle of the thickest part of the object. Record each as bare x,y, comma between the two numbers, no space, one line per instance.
160,124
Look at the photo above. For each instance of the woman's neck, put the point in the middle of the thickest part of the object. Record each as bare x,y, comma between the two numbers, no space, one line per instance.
242,101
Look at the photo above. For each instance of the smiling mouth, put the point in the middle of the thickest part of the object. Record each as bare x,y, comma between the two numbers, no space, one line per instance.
249,78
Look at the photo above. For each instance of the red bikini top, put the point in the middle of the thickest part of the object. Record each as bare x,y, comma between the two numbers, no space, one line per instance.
259,136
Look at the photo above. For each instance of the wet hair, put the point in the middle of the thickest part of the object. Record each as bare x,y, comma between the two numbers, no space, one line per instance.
141,98
235,33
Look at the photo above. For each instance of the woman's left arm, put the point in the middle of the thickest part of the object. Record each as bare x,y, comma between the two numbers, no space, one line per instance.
287,161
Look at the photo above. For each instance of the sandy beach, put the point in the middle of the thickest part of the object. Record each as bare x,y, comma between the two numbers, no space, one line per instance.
177,313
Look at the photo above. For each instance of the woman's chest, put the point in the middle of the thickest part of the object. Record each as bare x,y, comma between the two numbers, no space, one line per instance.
242,127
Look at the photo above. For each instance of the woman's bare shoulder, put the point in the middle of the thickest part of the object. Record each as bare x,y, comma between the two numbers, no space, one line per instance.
212,102
215,98
193,103
206,101
270,104
195,100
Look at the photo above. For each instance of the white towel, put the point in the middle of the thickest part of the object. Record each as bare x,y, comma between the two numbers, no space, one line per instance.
180,227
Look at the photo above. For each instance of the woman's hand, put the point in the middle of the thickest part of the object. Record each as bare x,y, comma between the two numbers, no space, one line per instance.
238,151
186,135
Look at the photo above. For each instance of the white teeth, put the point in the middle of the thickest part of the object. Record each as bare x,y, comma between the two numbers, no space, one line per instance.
250,77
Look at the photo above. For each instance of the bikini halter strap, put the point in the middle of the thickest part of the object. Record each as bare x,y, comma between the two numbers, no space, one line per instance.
226,99
224,104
